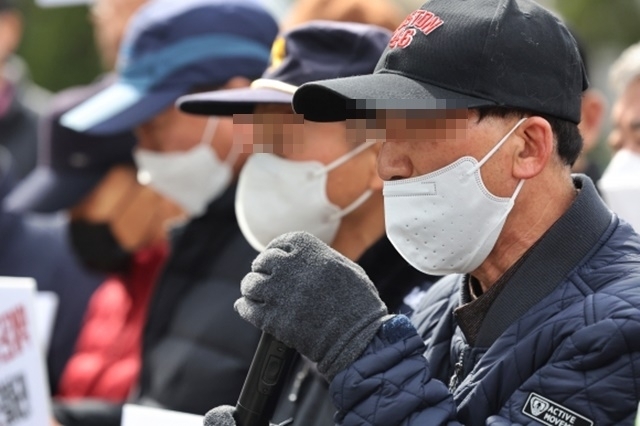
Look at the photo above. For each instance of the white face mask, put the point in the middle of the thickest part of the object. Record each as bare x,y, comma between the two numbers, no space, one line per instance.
620,186
276,196
446,222
191,178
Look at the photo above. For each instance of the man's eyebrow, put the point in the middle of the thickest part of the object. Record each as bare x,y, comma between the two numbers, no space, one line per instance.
635,125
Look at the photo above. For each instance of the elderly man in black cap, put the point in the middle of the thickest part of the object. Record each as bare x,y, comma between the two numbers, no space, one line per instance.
537,322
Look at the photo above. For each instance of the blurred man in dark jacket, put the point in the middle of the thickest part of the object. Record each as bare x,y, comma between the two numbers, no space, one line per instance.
21,101
620,183
194,350
317,177
38,246
592,114
70,166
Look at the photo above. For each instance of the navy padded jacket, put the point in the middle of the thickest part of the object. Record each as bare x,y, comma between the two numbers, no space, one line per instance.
560,345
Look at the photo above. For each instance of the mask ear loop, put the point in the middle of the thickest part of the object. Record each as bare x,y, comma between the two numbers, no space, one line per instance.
348,156
209,130
207,137
498,146
493,151
353,206
517,191
340,161
234,153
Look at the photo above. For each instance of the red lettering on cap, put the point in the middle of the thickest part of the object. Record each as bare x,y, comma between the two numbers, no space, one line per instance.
423,20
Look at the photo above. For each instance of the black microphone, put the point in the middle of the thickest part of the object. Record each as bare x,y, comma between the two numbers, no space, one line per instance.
264,382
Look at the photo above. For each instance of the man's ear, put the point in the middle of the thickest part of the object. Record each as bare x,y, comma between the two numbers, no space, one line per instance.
591,118
535,149
10,33
236,83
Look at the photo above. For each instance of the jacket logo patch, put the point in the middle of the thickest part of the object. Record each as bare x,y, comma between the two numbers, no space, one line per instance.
420,20
549,413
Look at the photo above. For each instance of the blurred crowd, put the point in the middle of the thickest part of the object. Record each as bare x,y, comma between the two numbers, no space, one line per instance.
144,212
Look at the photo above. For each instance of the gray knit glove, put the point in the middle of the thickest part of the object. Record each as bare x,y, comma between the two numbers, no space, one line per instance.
313,299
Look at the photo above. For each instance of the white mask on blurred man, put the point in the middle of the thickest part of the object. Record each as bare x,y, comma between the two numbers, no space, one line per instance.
193,178
620,186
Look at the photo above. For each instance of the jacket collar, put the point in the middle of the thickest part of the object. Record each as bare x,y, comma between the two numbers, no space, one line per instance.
574,235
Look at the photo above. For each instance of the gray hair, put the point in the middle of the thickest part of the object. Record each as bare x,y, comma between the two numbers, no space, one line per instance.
625,69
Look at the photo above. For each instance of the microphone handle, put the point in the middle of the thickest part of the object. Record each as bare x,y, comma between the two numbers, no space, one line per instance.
263,384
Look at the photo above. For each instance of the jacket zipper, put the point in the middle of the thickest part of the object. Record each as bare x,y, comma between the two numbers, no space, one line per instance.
458,371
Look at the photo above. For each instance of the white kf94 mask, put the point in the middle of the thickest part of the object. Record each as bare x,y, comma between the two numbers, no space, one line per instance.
620,186
446,222
192,178
276,196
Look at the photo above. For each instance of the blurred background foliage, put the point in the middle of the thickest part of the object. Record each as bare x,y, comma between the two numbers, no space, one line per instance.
58,42
603,23
58,45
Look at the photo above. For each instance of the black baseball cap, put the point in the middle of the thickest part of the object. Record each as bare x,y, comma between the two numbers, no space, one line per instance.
313,51
453,54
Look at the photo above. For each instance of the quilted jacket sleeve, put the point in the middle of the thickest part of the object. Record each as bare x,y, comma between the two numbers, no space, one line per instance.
391,384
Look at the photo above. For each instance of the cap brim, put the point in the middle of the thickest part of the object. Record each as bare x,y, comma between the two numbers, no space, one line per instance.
119,108
229,102
350,97
45,191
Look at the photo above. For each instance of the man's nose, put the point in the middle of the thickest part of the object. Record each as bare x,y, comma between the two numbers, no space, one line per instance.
393,164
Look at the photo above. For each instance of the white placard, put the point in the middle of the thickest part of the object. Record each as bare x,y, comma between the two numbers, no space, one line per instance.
46,308
24,392
137,415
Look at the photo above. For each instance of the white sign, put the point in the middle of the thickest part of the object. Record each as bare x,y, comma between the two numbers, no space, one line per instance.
46,308
137,415
24,395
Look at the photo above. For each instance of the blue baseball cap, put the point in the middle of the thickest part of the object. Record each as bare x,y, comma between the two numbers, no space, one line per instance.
316,50
70,164
171,48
